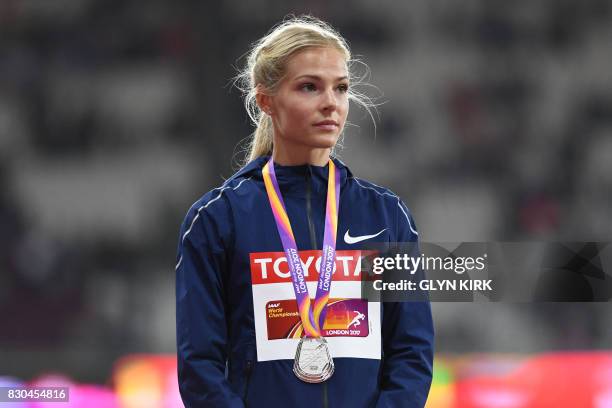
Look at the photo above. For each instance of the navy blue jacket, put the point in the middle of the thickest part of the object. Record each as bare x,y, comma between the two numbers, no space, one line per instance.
224,362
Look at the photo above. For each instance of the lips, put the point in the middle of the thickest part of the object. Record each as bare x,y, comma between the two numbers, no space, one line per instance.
327,125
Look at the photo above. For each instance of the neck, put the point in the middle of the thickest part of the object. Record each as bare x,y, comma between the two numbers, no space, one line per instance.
298,156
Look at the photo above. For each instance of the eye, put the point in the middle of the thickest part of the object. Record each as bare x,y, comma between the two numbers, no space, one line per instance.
308,86
343,88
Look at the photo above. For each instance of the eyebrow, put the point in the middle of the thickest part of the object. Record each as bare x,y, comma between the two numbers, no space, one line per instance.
317,77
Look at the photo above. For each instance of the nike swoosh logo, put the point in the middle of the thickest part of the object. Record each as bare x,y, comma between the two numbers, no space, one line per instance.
353,240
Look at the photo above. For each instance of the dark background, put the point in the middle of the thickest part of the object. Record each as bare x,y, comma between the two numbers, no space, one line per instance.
115,116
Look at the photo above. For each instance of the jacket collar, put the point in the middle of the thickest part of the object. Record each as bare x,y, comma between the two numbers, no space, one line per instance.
291,178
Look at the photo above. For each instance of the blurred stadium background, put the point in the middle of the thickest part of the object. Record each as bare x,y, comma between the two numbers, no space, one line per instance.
115,116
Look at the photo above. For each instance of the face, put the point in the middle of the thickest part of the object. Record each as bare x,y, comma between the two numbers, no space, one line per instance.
310,106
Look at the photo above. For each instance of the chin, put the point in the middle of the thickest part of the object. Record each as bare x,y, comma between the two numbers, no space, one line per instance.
325,141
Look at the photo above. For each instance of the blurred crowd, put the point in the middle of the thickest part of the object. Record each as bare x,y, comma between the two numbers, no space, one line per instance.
494,124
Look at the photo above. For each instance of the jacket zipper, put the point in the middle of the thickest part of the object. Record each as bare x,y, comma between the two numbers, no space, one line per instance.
325,401
247,371
311,228
313,242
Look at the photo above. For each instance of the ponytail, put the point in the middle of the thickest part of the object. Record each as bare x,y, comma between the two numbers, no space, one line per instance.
261,144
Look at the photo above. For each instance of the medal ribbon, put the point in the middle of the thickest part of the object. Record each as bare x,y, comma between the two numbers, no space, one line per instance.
312,317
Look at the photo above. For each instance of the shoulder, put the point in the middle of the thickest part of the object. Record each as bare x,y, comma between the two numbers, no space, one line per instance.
367,187
214,205
364,189
379,198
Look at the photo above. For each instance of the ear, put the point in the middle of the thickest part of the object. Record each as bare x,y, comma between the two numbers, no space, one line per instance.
264,100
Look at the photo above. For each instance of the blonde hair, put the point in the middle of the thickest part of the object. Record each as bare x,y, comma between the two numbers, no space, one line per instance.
266,65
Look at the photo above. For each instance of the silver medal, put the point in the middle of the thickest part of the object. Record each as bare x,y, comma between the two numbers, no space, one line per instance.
313,362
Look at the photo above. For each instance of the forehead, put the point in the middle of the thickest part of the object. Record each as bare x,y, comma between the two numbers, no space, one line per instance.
323,62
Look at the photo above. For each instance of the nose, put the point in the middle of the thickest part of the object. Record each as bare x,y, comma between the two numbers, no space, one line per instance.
329,102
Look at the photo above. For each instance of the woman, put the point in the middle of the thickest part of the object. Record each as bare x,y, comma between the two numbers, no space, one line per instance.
250,251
